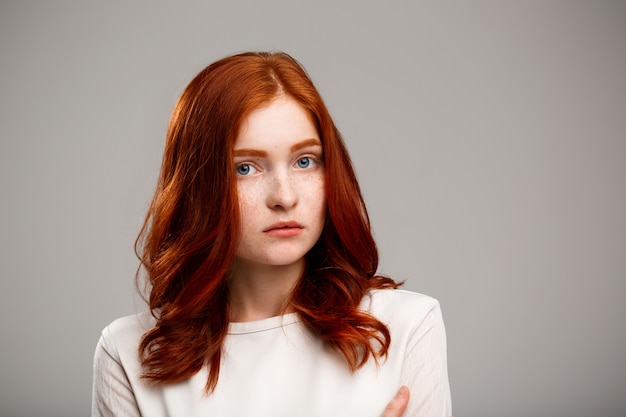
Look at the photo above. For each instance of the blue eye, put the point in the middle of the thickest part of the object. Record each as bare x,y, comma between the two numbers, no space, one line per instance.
244,169
304,162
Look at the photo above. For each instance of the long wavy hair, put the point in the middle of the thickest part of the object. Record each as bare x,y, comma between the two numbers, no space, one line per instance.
191,231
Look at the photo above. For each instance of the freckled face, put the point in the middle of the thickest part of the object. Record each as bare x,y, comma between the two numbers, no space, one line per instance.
280,182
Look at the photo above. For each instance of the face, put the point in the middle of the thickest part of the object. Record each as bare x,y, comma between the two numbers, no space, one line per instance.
280,180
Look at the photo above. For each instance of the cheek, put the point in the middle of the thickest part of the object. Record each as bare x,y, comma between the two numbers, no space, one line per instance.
316,194
248,202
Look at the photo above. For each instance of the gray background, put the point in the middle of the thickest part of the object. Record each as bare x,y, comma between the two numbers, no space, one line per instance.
489,138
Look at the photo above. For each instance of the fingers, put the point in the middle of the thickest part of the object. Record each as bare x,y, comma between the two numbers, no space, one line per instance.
398,404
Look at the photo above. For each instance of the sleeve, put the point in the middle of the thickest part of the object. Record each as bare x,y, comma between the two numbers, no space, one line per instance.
425,369
112,393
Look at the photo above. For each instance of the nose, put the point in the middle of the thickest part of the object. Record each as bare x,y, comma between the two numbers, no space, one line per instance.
282,193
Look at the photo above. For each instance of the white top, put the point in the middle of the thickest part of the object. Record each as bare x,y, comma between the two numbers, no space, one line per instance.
277,367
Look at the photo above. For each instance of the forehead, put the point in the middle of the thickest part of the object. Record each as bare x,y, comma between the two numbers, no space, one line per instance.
282,121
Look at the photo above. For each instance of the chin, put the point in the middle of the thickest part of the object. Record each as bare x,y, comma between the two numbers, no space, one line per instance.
285,261
285,258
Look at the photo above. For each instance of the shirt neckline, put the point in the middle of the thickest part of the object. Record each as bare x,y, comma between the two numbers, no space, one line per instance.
270,323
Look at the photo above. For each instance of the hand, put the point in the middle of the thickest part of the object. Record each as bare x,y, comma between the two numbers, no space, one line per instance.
398,404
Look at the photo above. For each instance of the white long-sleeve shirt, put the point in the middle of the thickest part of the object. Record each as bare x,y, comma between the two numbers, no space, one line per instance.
277,367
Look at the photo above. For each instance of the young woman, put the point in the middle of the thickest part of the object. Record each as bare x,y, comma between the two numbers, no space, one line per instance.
263,292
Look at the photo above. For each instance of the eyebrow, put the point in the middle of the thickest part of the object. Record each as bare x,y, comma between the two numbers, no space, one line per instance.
250,152
294,148
305,144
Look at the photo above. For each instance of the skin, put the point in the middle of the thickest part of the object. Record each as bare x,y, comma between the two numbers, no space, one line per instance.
398,404
280,182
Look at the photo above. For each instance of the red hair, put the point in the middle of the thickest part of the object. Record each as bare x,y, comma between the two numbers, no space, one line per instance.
191,232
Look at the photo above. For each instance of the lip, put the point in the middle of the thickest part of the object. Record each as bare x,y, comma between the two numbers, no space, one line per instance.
284,229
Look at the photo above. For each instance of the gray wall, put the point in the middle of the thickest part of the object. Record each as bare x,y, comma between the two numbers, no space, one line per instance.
489,137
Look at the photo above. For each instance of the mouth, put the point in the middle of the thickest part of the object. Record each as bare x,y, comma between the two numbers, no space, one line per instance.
284,229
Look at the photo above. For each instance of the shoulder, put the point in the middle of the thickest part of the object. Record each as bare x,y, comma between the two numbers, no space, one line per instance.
121,338
390,301
117,371
400,308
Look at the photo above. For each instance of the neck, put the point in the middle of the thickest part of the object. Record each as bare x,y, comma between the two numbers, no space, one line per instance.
261,291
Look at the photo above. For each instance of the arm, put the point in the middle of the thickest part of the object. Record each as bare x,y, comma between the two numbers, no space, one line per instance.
112,394
425,369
